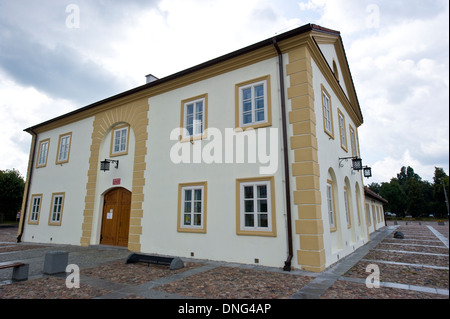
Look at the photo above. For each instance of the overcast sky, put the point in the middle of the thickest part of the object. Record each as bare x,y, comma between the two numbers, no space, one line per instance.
60,55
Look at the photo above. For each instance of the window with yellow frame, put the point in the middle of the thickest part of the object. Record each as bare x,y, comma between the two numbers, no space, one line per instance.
119,140
255,206
63,153
253,103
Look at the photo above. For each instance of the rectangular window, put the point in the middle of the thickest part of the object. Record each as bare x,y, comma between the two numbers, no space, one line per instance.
327,113
256,210
119,142
35,209
63,148
43,153
194,113
342,131
353,141
253,106
56,209
330,206
192,207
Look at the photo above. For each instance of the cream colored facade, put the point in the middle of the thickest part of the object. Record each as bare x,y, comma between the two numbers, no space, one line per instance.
374,210
294,226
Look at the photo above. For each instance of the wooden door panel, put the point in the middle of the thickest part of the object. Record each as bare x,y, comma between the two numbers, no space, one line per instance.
108,225
124,206
116,217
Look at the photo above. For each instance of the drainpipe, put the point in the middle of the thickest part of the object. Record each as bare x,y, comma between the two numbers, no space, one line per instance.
26,195
287,263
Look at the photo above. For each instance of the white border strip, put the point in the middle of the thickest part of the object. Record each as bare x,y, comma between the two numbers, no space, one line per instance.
439,235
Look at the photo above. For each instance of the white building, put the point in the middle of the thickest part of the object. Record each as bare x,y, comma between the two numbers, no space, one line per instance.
238,159
374,210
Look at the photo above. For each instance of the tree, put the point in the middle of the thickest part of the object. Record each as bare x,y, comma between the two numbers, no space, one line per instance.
395,195
12,186
407,173
375,187
409,194
416,205
441,182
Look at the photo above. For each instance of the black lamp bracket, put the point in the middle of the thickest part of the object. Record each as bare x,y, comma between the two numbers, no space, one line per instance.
104,165
341,159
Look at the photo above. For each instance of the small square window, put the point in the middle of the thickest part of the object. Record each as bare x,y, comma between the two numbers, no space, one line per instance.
256,210
43,153
327,113
192,207
194,117
35,209
342,130
56,209
253,105
63,148
119,140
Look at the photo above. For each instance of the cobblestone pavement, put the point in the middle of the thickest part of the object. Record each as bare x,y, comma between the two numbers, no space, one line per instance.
415,267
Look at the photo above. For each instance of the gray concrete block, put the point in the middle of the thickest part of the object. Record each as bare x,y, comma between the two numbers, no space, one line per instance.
20,273
55,262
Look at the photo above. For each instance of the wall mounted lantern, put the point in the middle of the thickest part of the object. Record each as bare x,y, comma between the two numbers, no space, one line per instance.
104,165
356,162
367,171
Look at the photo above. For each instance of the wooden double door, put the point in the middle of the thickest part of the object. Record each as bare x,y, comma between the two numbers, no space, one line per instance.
116,217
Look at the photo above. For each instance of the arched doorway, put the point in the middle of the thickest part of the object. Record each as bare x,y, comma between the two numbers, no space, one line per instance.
116,217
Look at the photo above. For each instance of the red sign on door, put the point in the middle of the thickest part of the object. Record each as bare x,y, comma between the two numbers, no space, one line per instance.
116,181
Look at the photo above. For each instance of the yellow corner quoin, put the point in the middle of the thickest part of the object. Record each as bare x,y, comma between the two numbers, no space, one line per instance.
305,169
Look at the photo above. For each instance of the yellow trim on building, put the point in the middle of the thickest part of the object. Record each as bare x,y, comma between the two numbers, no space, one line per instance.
305,167
135,115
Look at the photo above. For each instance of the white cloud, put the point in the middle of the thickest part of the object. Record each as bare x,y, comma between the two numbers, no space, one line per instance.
21,108
399,64
385,169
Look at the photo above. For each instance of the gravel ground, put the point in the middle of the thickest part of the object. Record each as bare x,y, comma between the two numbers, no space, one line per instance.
48,288
229,281
349,290
134,274
418,276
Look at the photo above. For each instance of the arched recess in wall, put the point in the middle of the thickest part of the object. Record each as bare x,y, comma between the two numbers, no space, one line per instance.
136,115
360,211
349,211
118,144
333,211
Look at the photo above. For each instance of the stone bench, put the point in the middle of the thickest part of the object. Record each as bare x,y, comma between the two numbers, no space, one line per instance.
20,270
